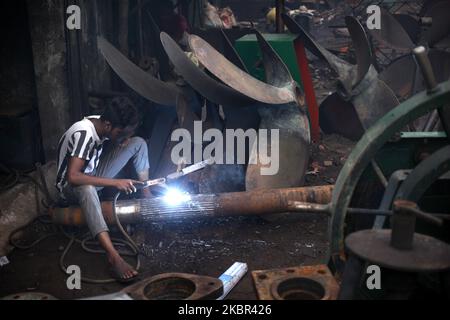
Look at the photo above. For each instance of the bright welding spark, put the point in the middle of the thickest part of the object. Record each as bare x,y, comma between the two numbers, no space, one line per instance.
174,197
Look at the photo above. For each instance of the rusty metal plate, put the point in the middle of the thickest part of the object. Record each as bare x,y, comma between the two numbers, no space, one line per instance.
297,283
176,286
428,254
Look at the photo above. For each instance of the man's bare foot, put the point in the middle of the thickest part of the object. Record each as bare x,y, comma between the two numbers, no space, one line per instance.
122,269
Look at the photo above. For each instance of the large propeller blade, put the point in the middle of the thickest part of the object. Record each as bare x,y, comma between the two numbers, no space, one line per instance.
208,87
137,79
236,78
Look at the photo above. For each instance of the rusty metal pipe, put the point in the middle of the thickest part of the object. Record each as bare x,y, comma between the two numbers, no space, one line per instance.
270,201
259,202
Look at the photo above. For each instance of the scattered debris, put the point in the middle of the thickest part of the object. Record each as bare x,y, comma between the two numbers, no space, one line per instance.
328,163
219,18
4,261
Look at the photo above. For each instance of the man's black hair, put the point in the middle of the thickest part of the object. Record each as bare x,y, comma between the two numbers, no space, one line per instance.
121,113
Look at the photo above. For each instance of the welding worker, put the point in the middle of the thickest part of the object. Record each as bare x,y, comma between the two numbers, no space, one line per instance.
84,168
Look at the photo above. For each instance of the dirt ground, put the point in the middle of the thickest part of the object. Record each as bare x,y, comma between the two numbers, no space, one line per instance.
202,247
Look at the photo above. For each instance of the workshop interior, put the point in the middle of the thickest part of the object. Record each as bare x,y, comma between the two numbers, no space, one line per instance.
293,150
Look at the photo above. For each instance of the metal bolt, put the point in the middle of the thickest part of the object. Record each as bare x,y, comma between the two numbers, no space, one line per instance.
403,225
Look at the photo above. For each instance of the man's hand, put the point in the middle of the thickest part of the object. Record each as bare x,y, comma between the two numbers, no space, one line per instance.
76,177
126,185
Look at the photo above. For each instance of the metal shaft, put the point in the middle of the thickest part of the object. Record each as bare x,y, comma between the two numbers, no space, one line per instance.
305,207
403,225
199,206
422,59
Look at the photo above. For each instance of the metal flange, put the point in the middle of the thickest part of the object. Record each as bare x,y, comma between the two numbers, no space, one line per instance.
176,286
297,283
427,255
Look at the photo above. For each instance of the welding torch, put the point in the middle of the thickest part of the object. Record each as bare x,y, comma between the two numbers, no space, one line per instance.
158,182
163,182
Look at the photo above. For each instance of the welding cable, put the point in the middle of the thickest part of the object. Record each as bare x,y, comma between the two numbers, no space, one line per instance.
87,240
42,186
12,178
116,242
40,219
119,225
15,177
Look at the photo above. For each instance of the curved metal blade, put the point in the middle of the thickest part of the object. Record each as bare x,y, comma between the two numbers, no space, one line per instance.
293,126
427,4
374,103
441,23
137,79
277,73
339,116
293,144
403,77
232,53
211,89
161,55
400,76
392,33
410,24
344,70
237,79
362,48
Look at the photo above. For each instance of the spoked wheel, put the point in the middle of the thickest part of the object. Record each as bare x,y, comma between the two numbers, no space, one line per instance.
437,97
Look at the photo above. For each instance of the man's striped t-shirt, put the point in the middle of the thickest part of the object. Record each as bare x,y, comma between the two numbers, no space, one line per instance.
80,141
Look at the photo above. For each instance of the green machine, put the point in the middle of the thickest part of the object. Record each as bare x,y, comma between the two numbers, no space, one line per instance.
250,53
